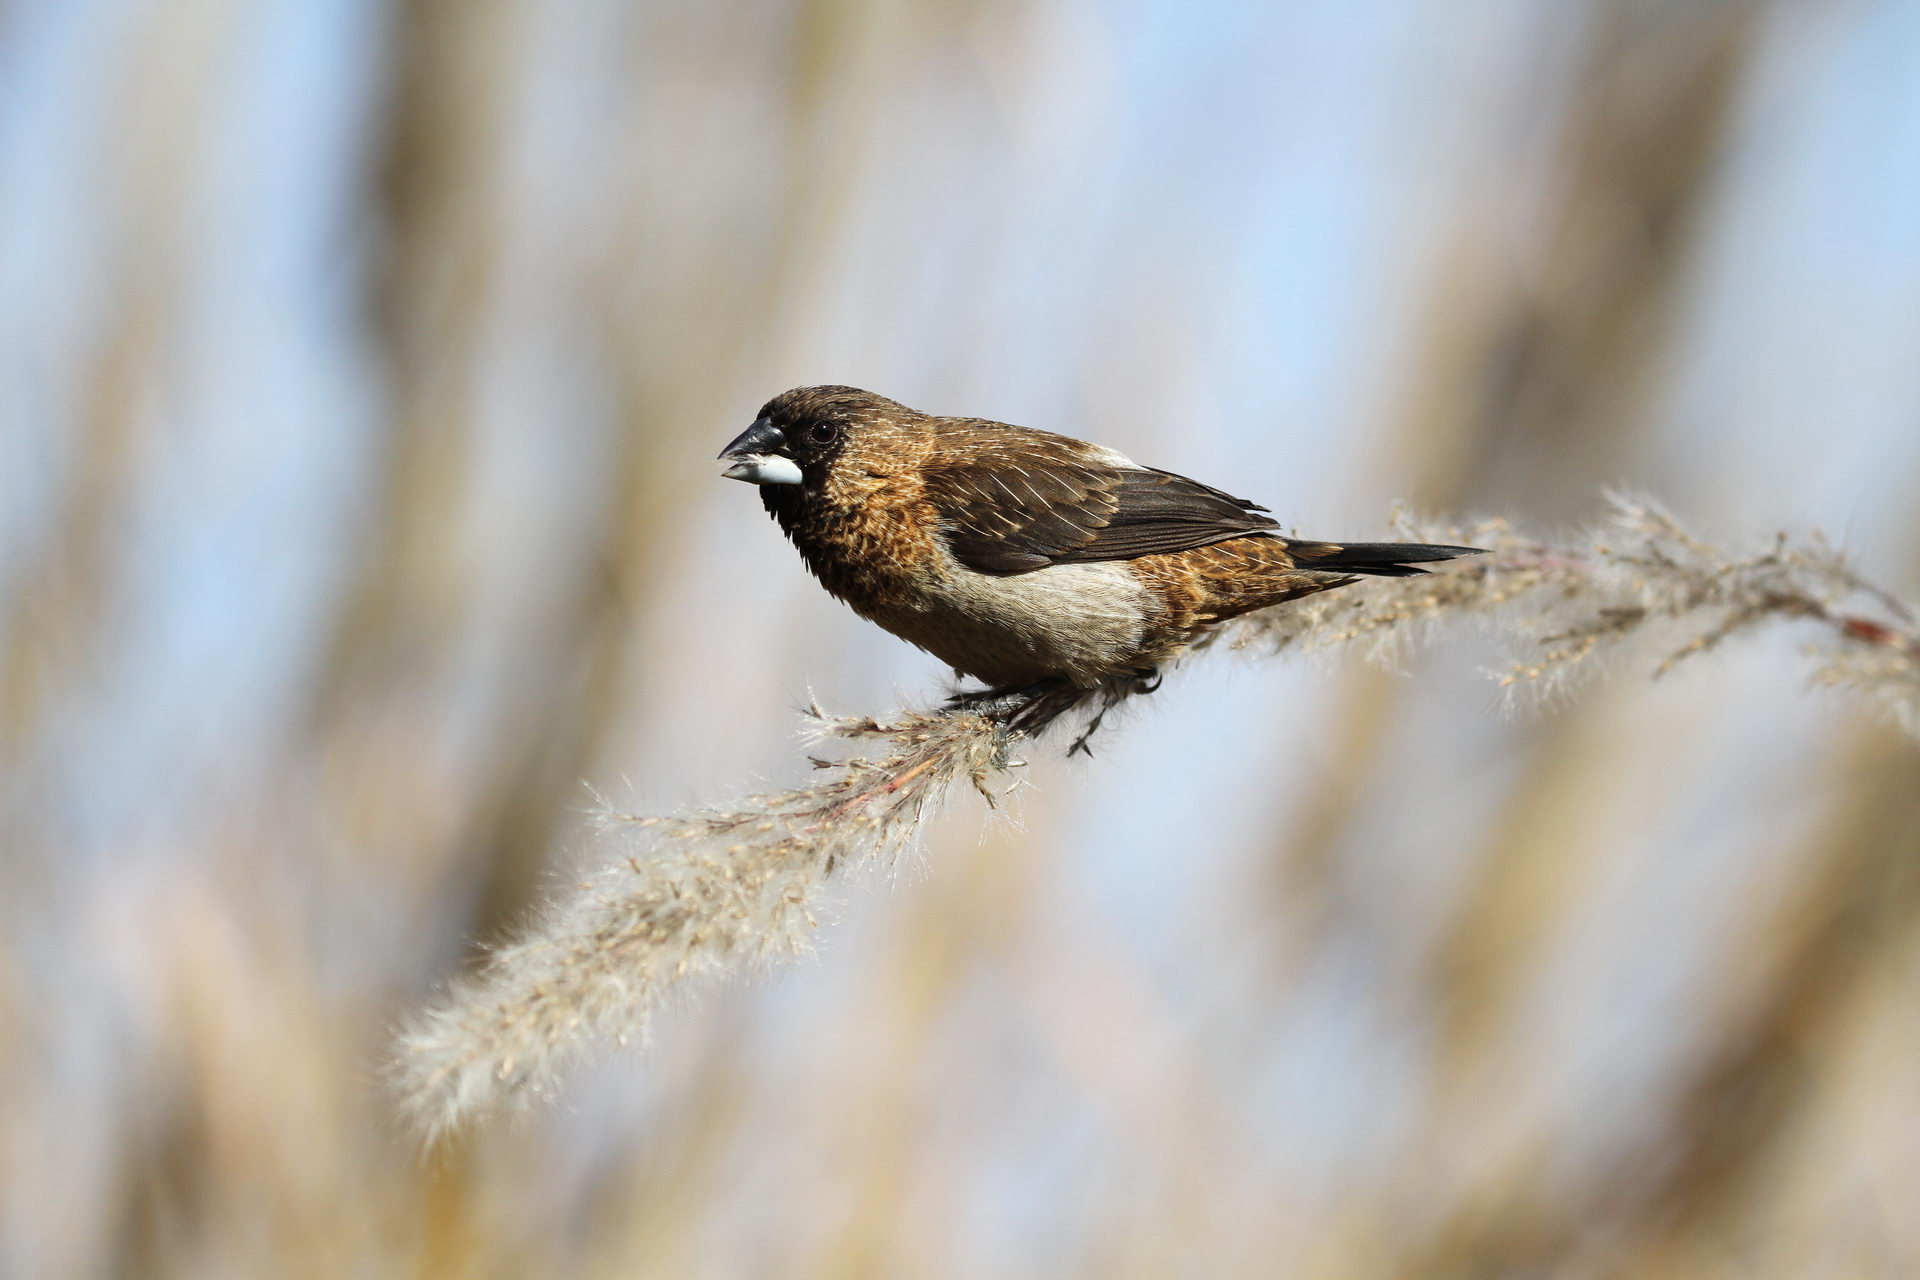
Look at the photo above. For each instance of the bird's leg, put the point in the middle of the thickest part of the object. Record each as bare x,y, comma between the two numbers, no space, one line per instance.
977,698
1025,709
1141,680
1079,745
1029,709
1043,704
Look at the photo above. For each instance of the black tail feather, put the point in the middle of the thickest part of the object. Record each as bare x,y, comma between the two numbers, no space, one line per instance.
1380,559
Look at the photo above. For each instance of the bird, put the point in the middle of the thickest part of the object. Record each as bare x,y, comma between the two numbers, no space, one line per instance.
1048,568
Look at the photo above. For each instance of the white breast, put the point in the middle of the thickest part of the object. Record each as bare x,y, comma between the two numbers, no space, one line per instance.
1081,621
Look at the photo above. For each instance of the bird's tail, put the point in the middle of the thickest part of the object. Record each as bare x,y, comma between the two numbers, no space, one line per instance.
1380,559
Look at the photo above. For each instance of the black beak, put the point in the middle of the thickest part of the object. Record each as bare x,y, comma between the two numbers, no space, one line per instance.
761,437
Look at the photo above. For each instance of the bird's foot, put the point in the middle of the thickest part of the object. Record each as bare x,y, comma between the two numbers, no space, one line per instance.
1029,709
976,699
1026,709
1140,681
1079,747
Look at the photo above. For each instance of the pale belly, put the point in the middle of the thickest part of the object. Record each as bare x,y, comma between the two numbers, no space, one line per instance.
1081,621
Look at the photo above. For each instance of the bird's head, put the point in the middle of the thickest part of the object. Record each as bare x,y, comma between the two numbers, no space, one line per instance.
800,434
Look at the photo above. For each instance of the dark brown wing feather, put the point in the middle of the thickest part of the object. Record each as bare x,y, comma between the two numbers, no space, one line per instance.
1045,501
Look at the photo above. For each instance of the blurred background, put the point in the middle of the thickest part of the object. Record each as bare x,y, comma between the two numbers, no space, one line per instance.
361,371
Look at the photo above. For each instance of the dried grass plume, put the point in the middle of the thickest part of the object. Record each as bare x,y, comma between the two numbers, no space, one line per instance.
682,897
722,891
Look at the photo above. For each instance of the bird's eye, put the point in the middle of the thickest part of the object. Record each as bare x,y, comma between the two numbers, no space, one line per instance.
823,433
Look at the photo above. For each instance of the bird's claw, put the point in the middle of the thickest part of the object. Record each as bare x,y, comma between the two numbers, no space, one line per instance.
1031,708
975,699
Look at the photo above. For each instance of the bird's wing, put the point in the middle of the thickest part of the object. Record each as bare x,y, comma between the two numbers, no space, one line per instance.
1020,503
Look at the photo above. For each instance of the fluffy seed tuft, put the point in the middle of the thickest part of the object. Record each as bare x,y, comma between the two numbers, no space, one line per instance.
720,891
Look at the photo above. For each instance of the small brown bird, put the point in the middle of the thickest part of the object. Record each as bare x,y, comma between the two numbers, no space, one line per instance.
1042,565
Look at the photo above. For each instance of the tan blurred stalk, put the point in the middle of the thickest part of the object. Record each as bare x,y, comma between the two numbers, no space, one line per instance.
1528,393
